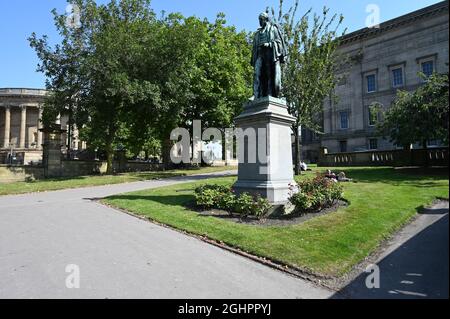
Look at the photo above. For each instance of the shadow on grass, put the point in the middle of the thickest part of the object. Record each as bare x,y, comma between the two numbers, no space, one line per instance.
134,176
178,200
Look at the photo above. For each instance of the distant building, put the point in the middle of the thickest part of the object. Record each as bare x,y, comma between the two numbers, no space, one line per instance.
382,60
20,111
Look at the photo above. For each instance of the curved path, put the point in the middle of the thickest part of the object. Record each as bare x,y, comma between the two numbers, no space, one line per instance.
119,256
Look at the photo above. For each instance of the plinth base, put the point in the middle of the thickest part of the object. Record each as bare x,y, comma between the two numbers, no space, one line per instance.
272,171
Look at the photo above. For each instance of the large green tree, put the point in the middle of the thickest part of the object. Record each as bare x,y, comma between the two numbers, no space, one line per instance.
127,76
419,116
309,75
95,71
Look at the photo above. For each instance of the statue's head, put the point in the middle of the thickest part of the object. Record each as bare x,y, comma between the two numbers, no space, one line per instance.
263,19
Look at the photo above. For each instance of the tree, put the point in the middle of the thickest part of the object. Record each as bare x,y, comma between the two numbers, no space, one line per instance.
127,77
206,78
419,116
103,54
62,67
309,75
117,92
221,76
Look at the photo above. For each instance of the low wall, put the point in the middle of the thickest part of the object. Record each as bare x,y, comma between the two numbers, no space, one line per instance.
71,168
18,173
414,157
233,162
132,166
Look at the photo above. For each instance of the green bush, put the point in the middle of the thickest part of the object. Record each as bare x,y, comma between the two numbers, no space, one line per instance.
316,194
244,204
222,197
261,207
209,196
301,201
226,201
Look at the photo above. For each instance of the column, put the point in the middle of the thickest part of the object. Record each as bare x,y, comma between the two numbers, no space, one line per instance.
23,126
7,126
39,126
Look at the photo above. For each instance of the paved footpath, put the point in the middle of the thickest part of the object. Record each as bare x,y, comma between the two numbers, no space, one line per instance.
120,256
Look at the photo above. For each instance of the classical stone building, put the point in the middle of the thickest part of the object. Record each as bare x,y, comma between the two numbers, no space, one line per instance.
20,138
382,60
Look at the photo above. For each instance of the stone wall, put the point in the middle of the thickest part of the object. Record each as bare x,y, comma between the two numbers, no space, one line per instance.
414,157
82,168
19,173
71,168
221,163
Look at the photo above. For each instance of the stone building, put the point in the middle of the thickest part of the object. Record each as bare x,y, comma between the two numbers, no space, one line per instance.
382,60
20,138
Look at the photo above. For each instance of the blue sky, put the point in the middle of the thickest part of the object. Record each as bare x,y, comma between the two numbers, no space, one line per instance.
19,18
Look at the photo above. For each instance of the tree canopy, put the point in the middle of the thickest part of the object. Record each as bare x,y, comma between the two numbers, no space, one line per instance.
127,77
419,116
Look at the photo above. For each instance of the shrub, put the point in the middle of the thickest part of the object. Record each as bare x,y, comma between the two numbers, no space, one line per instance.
222,197
227,201
244,204
316,194
209,196
261,207
301,201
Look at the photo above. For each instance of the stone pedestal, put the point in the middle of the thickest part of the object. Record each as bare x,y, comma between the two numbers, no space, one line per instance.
51,157
272,172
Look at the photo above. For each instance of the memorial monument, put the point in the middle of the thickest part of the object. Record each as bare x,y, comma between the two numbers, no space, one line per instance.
266,115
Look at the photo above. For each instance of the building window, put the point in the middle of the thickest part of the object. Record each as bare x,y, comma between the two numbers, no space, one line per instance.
343,146
371,83
397,77
373,115
428,68
344,120
373,144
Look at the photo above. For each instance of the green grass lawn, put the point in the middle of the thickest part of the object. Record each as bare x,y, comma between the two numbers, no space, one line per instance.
381,201
96,180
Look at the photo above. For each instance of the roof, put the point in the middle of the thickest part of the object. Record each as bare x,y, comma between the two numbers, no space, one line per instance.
423,13
22,92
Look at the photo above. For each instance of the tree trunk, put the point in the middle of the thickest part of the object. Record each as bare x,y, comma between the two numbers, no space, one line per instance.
69,135
166,148
297,167
109,159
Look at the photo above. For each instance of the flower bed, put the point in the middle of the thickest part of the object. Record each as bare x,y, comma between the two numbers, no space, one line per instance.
315,194
222,197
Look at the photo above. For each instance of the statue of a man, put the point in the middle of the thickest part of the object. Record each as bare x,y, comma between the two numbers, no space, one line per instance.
269,51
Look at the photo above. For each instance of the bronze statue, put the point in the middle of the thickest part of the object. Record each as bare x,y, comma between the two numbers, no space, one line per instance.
269,51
